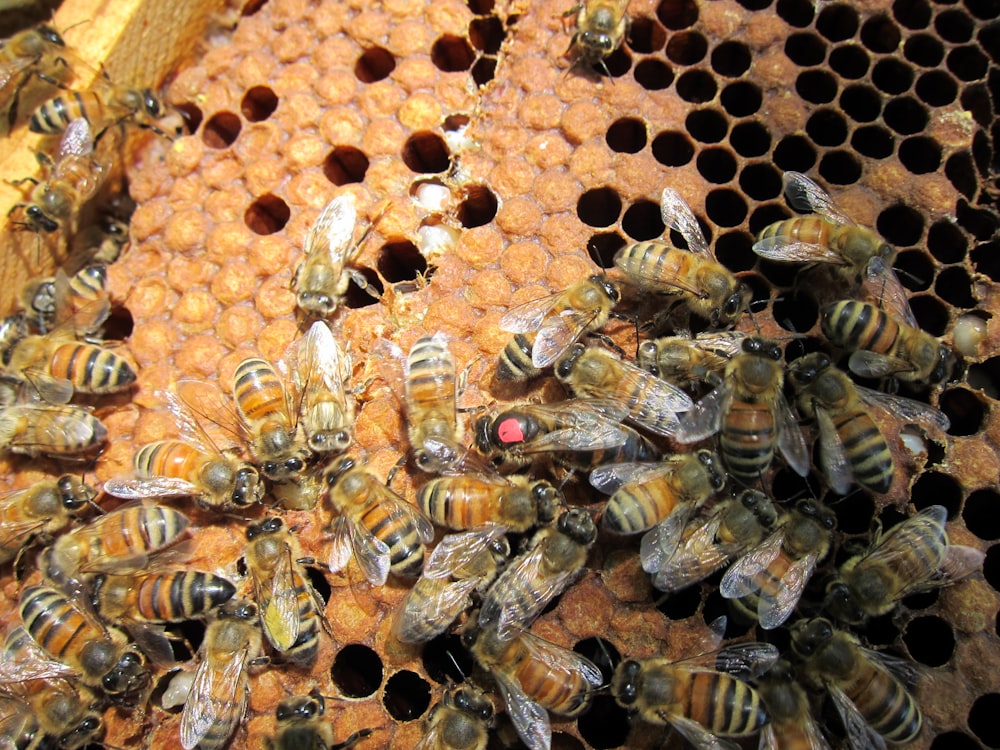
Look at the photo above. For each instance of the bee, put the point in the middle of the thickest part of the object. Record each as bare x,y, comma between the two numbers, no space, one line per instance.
291,611
792,726
71,180
323,276
39,512
385,533
79,301
461,721
885,346
679,555
516,434
751,415
158,596
38,714
709,289
872,702
701,697
103,106
690,361
62,431
460,564
431,409
101,655
533,675
300,725
120,541
851,444
652,403
323,370
555,558
601,27
912,556
773,574
217,701
647,494
546,327
466,501
33,53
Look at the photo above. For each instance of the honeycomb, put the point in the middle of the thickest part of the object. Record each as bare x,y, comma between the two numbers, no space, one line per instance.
495,175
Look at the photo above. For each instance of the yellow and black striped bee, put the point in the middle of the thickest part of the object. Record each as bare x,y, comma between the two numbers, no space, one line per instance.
792,726
912,556
300,726
707,287
37,714
104,105
79,301
461,721
885,346
601,27
546,327
323,371
467,501
291,611
380,529
431,404
37,53
690,361
873,703
750,414
39,512
60,430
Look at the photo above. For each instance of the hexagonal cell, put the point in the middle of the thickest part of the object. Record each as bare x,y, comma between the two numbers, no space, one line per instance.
873,141
687,48
982,717
913,14
696,86
805,49
980,514
452,54
345,164
627,135
880,34
816,86
642,221
221,130
599,207
837,22
731,59
259,103
954,286
406,696
892,76
677,15
357,671
426,153
653,74
672,148
850,61
717,165
741,98
936,88
374,64
267,215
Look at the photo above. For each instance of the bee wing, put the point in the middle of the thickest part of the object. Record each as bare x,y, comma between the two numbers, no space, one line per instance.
814,737
51,389
333,232
696,734
697,557
218,697
597,437
372,554
196,403
12,533
528,316
658,395
725,343
906,409
833,457
28,661
611,477
786,249
805,195
705,417
137,488
959,561
458,550
774,609
678,215
874,365
77,140
441,604
747,661
860,736
557,333
321,364
496,608
743,577
278,601
791,444
529,719
880,284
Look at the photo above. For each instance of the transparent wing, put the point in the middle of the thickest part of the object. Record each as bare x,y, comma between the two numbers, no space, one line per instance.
136,488
860,736
455,551
677,215
440,604
882,287
528,316
747,661
743,576
806,195
777,606
791,443
279,612
906,409
218,698
611,477
558,332
698,735
529,719
874,365
561,658
196,400
333,232
788,249
77,140
833,457
372,554
705,417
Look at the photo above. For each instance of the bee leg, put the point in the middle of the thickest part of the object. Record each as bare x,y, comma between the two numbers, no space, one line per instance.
392,472
608,342
361,281
359,735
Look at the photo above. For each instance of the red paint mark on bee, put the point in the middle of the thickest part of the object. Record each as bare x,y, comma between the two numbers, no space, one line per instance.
510,431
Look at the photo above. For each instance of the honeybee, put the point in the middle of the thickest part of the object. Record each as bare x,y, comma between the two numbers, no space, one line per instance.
646,494
103,106
792,726
322,278
431,409
323,370
461,721
300,725
751,415
79,300
773,574
601,27
291,612
120,541
872,702
554,560
37,714
466,501
71,180
516,434
63,430
912,556
217,701
690,361
701,697
679,555
591,372
851,444
101,655
33,53
885,346
709,289
548,326
158,596
460,564
385,533
533,675
40,511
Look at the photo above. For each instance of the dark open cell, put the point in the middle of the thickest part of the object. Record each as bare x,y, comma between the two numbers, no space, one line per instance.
478,207
986,259
954,25
965,409
599,207
765,215
687,48
826,127
603,246
906,115
603,653
840,167
805,48
731,59
794,153
913,14
734,251
931,314
761,182
915,270
357,671
484,70
426,153
267,215
982,9
981,223
947,242
955,287
989,38
991,568
741,98
796,13
781,275
605,724
191,114
618,62
252,7
983,719
681,604
982,514
259,103
696,86
717,165
221,130
642,221
319,582
968,63
750,139
924,50
936,88
374,64
400,260
816,86
873,141
961,173
446,660
481,7
707,125
407,696
677,15
891,75
646,36
954,741
861,103
345,165
930,640
880,34
627,135
760,292
855,513
452,54
850,61
795,312
672,148
755,5
837,22
486,34
653,74
725,207
901,225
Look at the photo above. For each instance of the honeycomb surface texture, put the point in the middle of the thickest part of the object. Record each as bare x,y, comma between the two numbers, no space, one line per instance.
545,172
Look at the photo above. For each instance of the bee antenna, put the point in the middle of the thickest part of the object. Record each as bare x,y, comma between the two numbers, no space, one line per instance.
458,667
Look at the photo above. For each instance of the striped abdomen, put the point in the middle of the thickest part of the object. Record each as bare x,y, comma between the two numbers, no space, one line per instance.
857,325
553,685
719,702
394,526
866,449
886,705
177,595
638,506
90,368
259,392
747,439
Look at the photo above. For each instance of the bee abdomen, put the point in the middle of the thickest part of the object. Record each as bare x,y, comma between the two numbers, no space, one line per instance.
869,454
515,359
747,440
91,369
183,595
886,705
724,705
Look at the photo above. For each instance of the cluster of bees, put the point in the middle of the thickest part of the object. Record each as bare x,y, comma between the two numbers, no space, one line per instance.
97,621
